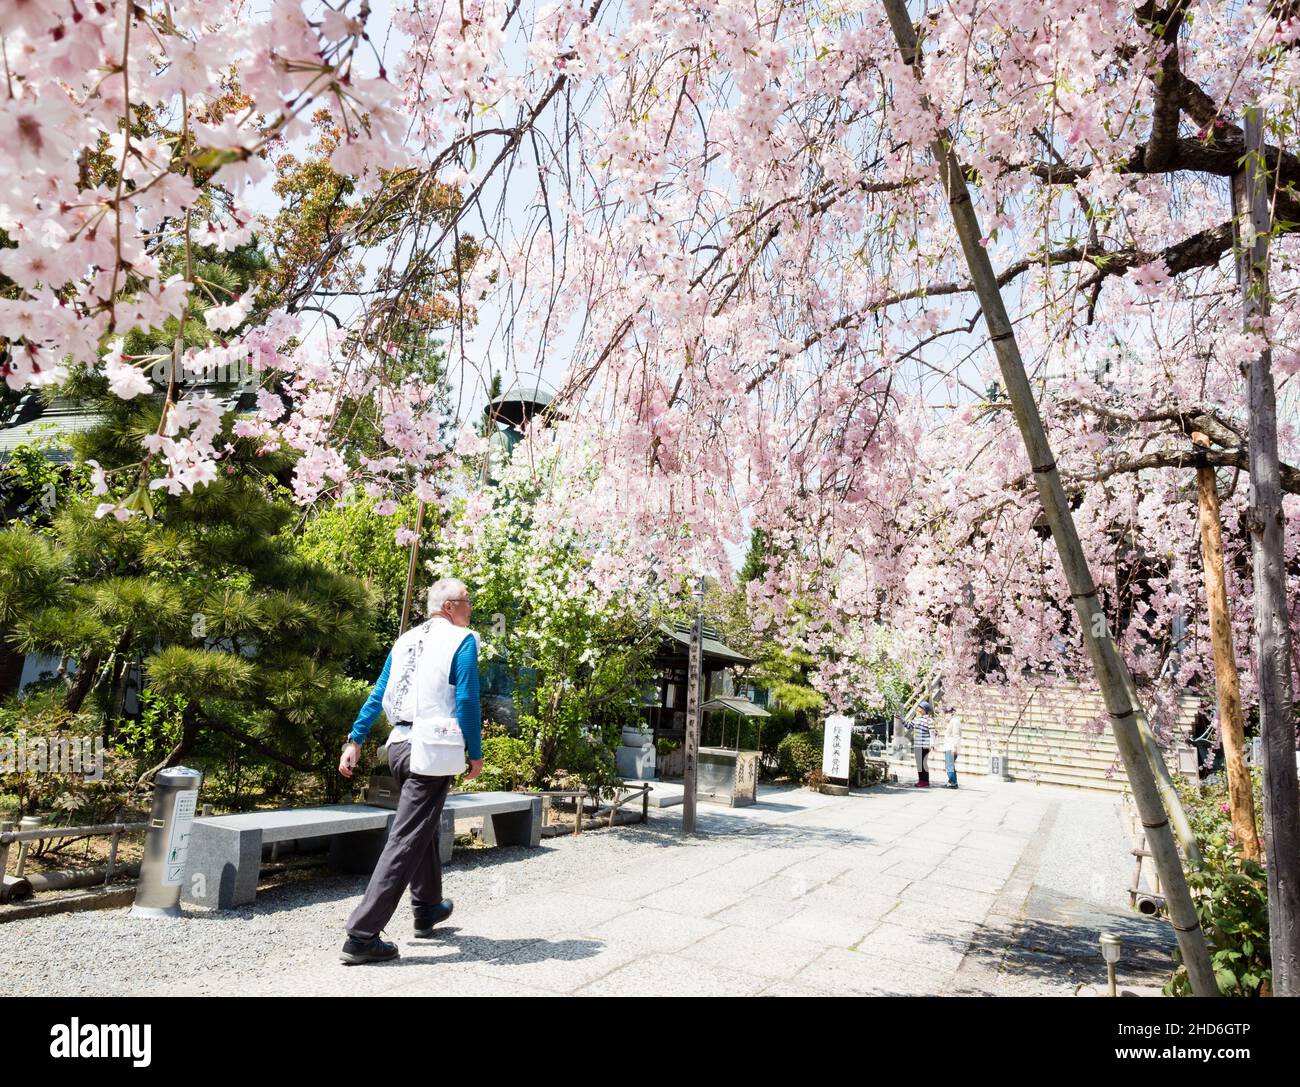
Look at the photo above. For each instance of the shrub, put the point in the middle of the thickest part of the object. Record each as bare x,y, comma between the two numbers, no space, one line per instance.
872,774
799,755
1231,898
776,728
509,765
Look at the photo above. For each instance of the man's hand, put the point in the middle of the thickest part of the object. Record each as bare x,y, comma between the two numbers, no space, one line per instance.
348,760
475,768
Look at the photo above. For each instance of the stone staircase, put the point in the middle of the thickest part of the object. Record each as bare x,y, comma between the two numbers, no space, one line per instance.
1059,735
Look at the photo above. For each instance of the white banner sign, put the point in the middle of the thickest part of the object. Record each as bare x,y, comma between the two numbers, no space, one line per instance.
835,746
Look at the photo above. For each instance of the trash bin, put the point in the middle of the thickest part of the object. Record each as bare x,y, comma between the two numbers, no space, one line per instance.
999,768
162,872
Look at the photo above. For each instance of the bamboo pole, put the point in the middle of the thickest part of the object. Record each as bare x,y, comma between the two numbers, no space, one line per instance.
1227,686
1182,826
1107,665
410,570
1268,547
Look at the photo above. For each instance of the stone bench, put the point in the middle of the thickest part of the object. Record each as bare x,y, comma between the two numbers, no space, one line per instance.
226,850
508,819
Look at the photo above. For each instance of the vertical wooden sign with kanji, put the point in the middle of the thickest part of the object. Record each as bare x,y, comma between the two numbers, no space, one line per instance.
694,699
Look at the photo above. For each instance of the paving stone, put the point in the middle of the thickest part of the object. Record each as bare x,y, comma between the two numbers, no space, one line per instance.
971,881
771,954
655,931
849,973
620,888
560,965
928,950
923,917
670,975
453,981
541,915
783,888
955,900
758,913
873,882
790,988
697,897
855,901
826,926
911,870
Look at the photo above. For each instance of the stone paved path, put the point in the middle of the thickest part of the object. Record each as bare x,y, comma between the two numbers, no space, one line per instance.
989,889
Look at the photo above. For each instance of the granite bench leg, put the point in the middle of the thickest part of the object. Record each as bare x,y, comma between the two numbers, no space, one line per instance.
515,827
357,852
221,866
446,835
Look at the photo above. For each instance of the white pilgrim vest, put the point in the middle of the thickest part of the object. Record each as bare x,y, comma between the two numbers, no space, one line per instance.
419,691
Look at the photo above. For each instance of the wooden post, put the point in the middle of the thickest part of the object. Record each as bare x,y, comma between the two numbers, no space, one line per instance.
1227,686
112,856
5,828
1107,665
694,699
1268,547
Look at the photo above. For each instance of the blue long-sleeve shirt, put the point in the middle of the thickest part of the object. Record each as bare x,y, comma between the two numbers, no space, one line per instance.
463,676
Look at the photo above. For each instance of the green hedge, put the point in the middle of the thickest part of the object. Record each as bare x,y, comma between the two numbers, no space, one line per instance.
799,754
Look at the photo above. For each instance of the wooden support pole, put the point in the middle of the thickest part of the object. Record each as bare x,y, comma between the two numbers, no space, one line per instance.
1227,685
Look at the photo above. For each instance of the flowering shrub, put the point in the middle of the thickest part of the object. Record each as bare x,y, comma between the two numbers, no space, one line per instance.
1231,897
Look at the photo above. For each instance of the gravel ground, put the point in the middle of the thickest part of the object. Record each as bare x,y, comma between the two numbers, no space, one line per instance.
891,890
106,953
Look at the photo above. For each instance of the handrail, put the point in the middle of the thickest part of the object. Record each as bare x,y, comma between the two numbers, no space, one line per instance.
8,836
1006,750
631,791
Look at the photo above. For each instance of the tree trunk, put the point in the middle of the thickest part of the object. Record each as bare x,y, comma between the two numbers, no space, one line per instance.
1268,550
87,670
1109,668
189,734
262,747
1241,800
11,670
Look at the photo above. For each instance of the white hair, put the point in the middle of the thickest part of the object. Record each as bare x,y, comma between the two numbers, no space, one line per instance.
447,588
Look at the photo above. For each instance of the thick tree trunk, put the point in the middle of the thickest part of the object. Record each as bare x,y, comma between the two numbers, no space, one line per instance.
1241,799
1109,668
1268,549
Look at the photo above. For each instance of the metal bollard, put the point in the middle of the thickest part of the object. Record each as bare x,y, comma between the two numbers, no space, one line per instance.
162,872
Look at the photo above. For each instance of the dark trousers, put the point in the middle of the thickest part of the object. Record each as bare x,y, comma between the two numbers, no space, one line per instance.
411,854
922,767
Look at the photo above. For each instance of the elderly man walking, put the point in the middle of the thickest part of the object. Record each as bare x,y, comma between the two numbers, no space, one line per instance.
428,689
